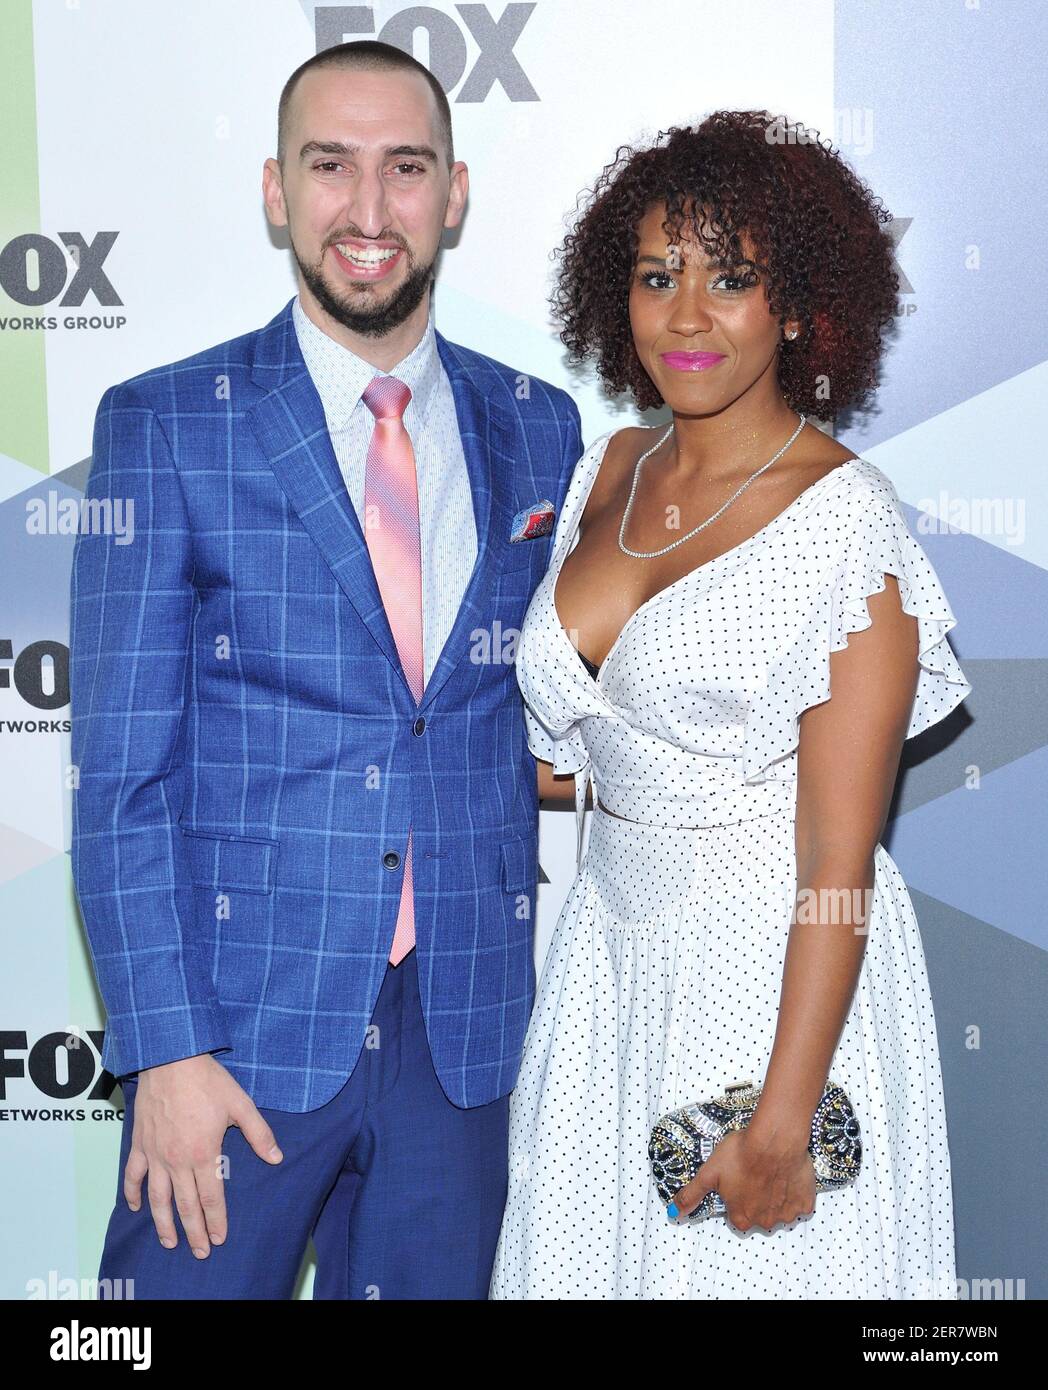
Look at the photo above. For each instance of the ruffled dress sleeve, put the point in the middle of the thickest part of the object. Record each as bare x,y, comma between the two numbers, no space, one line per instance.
564,749
874,540
567,752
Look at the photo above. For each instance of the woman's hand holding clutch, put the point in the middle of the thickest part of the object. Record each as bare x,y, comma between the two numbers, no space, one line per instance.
760,1183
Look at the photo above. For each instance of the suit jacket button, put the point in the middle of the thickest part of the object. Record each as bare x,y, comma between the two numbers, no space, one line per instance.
391,859
418,725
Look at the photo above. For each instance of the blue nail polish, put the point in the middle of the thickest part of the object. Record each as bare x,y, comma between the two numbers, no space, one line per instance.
672,1212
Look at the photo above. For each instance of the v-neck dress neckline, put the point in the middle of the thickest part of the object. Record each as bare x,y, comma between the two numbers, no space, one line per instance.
704,676
708,567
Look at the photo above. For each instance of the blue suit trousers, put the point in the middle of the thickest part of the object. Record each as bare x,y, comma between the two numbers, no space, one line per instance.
402,1191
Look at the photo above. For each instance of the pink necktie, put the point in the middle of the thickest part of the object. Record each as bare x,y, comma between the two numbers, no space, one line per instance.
392,534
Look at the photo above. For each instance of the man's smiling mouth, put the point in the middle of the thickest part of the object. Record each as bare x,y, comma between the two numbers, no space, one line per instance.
370,261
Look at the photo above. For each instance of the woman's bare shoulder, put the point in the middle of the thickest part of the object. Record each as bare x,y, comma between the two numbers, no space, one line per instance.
623,449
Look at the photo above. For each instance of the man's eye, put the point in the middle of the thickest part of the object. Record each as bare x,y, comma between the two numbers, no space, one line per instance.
326,164
410,168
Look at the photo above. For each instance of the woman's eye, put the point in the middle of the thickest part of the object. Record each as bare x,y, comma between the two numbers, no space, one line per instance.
732,284
742,281
649,278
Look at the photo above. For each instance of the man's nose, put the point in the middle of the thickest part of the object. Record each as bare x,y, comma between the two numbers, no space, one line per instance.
367,206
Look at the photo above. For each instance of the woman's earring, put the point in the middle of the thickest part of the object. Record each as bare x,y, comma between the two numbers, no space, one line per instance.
791,333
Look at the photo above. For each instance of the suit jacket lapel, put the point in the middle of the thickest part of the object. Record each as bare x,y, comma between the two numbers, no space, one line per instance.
292,432
488,434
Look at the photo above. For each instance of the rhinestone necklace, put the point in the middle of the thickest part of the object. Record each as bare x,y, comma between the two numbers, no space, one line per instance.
651,554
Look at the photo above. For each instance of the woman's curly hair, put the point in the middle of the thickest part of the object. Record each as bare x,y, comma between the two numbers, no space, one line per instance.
823,255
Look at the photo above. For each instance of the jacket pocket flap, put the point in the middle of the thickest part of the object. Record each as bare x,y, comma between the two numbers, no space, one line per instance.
519,865
224,861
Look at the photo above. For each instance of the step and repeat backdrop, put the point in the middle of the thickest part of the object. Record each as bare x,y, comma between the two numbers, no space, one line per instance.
132,233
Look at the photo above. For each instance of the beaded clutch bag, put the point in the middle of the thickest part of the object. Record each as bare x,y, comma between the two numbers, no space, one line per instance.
682,1141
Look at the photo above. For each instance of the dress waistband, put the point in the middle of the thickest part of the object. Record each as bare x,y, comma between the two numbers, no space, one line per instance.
741,803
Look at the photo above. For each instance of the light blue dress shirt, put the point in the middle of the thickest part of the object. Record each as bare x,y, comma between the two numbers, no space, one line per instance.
446,518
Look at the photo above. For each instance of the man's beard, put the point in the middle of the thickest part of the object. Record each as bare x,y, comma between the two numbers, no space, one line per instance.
377,320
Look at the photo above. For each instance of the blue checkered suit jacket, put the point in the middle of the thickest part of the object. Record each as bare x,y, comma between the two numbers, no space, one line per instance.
250,756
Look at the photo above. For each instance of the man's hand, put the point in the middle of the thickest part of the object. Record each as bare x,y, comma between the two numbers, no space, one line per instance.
182,1112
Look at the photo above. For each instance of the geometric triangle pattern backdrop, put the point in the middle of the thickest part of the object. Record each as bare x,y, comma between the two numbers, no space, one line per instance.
963,415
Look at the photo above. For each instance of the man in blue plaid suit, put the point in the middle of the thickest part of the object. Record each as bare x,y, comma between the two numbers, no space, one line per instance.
251,757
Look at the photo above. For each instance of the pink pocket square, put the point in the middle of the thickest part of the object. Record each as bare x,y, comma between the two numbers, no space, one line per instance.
532,522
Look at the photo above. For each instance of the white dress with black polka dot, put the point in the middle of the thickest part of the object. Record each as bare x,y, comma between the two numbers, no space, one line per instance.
662,981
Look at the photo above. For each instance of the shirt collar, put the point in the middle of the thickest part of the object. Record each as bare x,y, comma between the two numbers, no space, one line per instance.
341,377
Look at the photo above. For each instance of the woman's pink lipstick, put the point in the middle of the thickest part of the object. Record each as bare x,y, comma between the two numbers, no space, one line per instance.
691,361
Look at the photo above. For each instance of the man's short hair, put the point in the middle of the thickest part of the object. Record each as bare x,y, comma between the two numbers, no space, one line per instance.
366,55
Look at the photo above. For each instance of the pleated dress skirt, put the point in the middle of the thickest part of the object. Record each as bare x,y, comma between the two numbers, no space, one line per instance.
661,987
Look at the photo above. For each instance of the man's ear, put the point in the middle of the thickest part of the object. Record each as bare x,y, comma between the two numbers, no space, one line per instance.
273,193
457,194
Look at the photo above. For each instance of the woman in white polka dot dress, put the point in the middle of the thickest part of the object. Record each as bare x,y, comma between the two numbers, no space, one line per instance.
736,633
